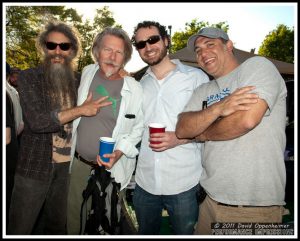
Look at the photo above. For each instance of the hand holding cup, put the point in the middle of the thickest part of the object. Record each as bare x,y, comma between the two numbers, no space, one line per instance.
156,128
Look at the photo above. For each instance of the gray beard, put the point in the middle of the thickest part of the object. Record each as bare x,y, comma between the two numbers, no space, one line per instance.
60,83
108,74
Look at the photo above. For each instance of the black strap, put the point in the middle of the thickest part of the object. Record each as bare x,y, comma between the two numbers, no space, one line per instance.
96,188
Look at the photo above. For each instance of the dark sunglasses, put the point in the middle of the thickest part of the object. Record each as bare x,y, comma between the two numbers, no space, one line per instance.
62,46
152,40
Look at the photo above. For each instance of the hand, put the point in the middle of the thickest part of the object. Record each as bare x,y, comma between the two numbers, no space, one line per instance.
168,140
113,158
92,107
238,100
123,73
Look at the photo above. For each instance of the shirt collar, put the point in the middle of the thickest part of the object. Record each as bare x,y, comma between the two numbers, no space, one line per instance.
179,67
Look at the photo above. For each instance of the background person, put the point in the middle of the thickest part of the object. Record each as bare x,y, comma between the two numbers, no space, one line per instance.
13,77
14,127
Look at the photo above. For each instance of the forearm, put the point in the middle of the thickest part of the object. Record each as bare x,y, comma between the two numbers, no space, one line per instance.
8,135
236,124
192,124
226,128
68,115
185,141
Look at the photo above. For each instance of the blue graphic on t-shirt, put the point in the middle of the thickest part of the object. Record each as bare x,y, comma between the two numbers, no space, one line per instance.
211,99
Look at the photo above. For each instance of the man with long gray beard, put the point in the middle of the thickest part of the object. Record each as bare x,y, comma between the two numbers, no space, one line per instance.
48,96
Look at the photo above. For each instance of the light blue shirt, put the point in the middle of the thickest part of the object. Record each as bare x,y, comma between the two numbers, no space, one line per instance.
177,169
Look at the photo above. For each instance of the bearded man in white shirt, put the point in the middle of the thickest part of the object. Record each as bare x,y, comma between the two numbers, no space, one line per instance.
168,173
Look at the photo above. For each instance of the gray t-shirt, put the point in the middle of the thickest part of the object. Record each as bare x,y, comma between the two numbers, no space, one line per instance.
91,128
248,170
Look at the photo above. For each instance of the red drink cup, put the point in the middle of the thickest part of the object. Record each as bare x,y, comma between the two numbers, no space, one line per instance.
156,128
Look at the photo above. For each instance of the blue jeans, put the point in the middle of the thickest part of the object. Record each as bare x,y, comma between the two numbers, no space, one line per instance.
34,201
182,208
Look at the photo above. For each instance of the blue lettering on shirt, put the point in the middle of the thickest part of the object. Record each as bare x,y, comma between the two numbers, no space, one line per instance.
211,99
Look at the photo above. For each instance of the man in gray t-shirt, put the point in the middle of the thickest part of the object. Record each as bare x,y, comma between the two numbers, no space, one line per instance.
122,120
240,115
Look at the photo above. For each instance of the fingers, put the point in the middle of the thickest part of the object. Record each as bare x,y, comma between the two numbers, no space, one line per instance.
238,101
107,165
101,102
90,96
247,99
243,89
101,99
111,161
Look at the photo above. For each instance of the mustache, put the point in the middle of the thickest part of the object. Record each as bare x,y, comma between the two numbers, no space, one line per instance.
51,56
112,63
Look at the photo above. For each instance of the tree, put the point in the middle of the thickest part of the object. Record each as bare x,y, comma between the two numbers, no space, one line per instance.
103,18
279,44
22,27
23,24
179,39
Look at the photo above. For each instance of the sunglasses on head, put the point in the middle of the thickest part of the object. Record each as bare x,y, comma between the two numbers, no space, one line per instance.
62,46
152,40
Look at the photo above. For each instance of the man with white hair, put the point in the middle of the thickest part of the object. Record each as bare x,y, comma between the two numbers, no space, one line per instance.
122,120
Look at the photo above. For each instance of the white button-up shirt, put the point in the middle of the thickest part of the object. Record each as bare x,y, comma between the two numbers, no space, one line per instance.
177,169
127,132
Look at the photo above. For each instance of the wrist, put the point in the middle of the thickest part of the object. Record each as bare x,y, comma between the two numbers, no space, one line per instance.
118,154
78,111
216,109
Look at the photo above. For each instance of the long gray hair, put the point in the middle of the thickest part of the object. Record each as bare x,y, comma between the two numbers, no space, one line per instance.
117,32
68,31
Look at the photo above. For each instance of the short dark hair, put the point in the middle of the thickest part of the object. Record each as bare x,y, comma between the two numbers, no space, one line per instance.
68,31
147,24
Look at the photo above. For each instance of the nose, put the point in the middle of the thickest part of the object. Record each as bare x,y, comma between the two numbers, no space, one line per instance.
113,55
57,50
148,46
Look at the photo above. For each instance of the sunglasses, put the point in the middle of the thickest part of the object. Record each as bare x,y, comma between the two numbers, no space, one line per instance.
152,40
62,46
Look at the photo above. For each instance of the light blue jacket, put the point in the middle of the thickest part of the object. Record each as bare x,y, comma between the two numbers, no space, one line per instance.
127,132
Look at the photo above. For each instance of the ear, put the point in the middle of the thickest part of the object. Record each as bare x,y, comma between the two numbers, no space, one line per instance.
166,41
229,45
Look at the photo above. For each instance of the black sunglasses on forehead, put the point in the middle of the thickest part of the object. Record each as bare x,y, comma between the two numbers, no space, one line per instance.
152,40
62,46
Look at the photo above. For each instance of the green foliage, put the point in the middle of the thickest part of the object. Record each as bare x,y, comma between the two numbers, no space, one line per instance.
23,24
279,44
179,39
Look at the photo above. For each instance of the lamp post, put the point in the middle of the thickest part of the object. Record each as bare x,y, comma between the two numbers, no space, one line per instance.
170,35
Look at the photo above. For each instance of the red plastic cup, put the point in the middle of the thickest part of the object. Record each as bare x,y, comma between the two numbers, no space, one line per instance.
156,128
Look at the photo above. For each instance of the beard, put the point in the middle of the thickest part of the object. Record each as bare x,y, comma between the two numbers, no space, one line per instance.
160,58
60,82
110,72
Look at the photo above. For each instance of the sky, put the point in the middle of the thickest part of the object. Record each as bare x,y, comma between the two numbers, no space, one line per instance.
249,23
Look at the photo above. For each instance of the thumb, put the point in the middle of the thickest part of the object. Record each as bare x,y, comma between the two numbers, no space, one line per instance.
90,96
